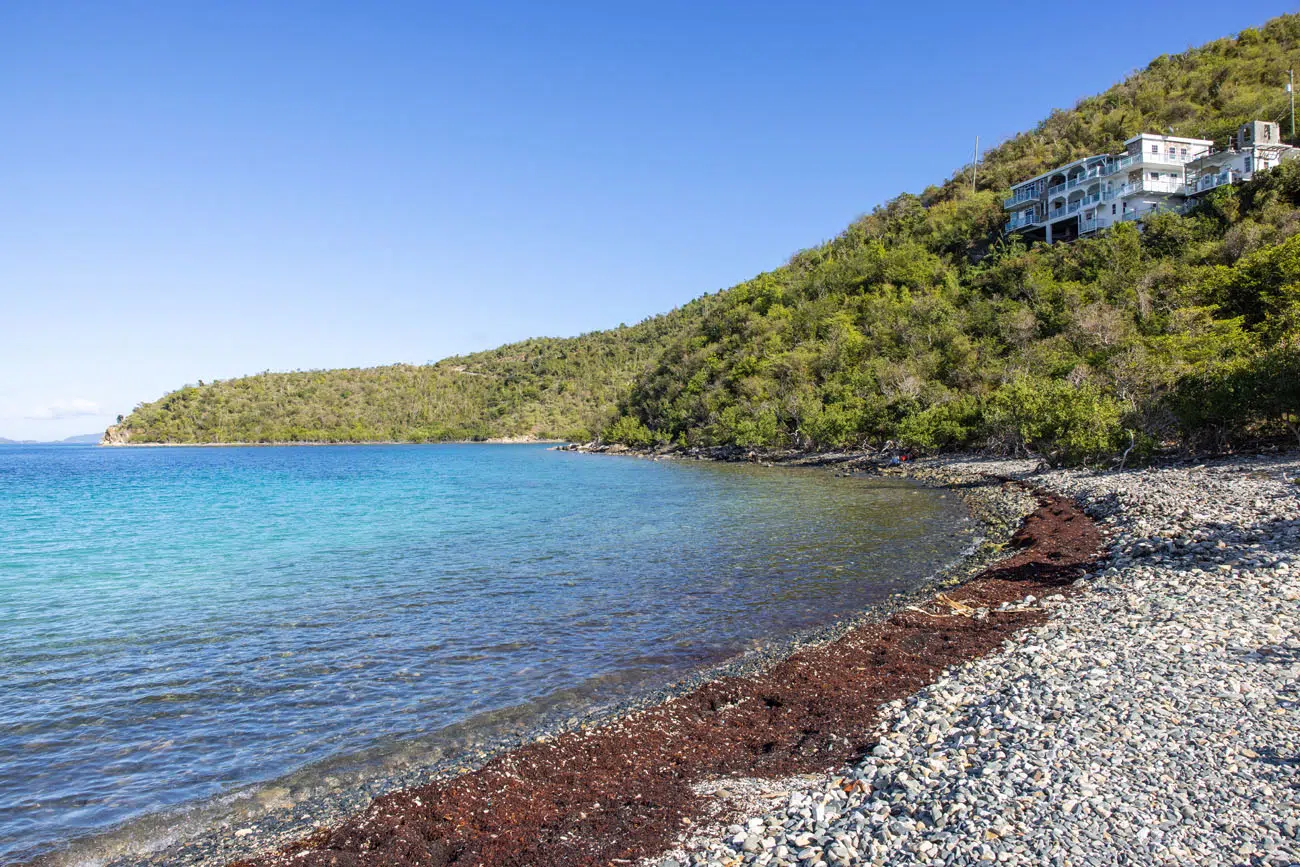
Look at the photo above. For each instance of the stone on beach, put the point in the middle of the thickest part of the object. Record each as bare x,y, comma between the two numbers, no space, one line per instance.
611,793
1153,720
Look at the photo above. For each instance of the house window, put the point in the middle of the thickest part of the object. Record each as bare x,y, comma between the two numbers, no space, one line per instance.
1155,149
1268,133
1183,153
1155,176
1112,210
1248,162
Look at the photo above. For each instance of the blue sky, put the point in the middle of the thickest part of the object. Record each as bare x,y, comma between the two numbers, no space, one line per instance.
202,190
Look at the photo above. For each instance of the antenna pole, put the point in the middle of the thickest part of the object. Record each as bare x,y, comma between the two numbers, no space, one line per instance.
1290,88
975,166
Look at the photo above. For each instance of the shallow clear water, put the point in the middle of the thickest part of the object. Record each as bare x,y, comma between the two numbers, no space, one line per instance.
178,623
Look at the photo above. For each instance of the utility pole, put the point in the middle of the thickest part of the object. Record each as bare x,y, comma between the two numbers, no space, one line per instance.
1290,88
975,166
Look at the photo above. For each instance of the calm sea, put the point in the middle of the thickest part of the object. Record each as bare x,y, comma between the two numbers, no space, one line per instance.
180,624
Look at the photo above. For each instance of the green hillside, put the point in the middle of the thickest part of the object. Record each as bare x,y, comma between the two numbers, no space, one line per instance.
919,323
547,388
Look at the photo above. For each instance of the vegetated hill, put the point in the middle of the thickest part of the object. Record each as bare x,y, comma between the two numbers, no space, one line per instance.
80,439
919,323
1205,92
544,387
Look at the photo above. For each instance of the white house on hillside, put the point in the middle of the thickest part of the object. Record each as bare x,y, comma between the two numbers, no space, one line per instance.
1154,172
1256,147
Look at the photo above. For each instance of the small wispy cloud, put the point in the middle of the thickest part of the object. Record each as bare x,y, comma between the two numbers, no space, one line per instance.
75,408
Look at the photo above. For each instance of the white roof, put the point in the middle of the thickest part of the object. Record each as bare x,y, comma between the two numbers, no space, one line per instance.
1142,135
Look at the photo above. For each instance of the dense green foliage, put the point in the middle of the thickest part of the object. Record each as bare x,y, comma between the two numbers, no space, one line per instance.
1262,387
546,388
1203,93
1073,350
919,324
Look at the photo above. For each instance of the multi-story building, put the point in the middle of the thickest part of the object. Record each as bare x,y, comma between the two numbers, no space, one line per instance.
1256,147
1154,172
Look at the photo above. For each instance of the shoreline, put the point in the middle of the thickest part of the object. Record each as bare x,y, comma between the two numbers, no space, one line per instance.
996,512
580,738
494,441
620,792
1151,720
1147,529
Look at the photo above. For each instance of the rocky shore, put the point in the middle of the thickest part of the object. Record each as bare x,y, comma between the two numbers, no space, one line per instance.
621,791
264,819
1056,709
1152,720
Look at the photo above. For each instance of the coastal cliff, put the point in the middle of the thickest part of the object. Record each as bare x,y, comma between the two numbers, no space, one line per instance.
116,435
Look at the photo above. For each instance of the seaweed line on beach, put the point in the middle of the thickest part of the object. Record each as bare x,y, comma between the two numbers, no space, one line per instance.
269,815
624,790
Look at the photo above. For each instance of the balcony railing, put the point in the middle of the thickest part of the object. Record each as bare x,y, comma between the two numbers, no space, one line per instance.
1091,175
1134,215
1209,182
1125,162
1071,207
1022,219
1146,185
1088,225
1059,188
1163,158
1030,194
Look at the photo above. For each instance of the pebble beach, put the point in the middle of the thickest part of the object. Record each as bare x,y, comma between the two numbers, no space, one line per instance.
1139,708
1152,720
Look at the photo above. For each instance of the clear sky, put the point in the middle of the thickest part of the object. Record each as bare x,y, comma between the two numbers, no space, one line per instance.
197,190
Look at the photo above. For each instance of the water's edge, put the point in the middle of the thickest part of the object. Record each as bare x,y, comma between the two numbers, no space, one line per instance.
495,441
258,818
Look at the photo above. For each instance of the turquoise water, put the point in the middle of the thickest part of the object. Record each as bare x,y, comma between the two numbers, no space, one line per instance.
178,623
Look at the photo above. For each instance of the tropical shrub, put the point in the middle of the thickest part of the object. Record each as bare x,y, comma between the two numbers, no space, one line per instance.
1063,422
